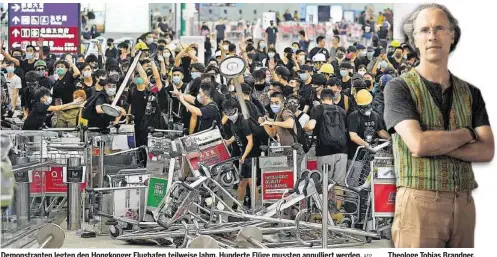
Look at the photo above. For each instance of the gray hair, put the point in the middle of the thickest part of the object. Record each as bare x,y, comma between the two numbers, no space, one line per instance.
408,25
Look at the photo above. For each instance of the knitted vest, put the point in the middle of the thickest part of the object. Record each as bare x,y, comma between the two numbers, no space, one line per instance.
438,173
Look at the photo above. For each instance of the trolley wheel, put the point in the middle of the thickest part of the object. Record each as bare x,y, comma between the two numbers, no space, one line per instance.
87,215
115,231
178,241
128,226
369,239
226,180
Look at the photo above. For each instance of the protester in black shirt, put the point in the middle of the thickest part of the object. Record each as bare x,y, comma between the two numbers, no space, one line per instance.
42,106
365,125
207,113
97,117
396,59
327,153
339,98
345,74
111,52
320,48
245,138
65,85
87,82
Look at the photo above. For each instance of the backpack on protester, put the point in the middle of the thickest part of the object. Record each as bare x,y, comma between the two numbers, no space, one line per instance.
300,136
332,131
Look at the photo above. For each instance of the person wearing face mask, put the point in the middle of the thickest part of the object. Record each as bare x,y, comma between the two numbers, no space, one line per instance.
111,51
364,124
340,57
148,39
41,69
271,34
87,82
124,52
382,63
261,51
369,81
65,85
289,60
245,137
346,80
301,57
282,125
339,98
28,64
306,91
93,111
361,70
362,58
397,58
14,86
318,82
180,114
94,61
260,87
114,72
16,54
282,75
207,112
43,105
293,103
271,56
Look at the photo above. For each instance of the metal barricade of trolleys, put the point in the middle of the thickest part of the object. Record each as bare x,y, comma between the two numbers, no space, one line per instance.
208,147
352,199
383,192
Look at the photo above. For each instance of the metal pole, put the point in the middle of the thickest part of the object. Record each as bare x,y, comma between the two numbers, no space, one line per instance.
253,188
22,204
73,199
295,169
324,214
101,147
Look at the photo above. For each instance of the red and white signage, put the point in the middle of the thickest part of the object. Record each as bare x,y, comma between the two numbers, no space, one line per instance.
49,182
276,183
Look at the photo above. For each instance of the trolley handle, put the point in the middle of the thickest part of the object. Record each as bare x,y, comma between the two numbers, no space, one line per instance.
63,129
381,146
152,130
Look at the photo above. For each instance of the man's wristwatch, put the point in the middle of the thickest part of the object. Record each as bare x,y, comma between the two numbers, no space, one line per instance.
473,134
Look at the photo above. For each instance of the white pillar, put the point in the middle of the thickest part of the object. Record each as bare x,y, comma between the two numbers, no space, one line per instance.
400,13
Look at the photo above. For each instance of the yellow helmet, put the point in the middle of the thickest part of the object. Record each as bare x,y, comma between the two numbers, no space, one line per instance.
395,43
363,97
327,68
141,46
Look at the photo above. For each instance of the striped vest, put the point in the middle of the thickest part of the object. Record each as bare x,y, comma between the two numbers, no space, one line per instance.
439,173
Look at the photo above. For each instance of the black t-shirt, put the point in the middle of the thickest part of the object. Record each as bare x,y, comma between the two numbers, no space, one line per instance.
241,129
210,113
306,96
252,110
111,53
317,50
366,127
138,101
64,88
89,89
180,114
346,85
220,28
271,34
317,115
96,119
399,105
36,116
341,103
26,66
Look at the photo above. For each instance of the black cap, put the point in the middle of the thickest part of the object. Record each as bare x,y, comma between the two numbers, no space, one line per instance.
351,49
178,69
360,47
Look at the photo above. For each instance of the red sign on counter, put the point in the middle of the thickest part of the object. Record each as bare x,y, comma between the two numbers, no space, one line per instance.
211,155
49,182
275,183
384,198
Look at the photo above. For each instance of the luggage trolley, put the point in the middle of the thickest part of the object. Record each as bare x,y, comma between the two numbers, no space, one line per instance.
383,191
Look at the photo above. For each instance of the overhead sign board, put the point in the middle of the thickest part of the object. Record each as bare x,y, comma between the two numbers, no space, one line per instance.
58,24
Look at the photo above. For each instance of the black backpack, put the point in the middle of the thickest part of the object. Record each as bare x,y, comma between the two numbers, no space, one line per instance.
300,136
332,131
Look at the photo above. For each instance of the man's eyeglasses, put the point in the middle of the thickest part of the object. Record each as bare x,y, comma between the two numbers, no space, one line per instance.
438,30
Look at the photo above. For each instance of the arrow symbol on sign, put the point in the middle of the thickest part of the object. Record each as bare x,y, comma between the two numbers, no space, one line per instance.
16,20
15,32
16,45
16,7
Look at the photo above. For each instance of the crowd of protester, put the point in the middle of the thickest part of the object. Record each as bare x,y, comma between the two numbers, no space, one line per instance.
329,98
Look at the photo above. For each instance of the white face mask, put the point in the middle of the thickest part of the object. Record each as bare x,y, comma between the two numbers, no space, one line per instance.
150,40
361,73
199,99
167,55
302,58
226,47
86,74
110,91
